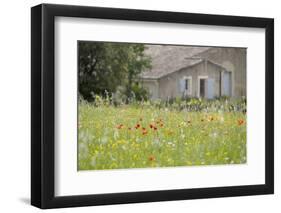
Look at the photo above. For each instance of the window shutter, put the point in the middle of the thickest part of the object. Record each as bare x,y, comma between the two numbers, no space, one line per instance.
182,85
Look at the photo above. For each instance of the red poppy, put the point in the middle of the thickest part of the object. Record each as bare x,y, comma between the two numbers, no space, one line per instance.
155,128
151,126
144,132
240,122
120,126
151,158
137,126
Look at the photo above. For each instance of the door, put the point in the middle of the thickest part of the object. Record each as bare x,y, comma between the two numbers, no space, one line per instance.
226,84
210,88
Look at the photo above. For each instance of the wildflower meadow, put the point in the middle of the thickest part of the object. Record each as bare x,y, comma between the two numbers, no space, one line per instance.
143,134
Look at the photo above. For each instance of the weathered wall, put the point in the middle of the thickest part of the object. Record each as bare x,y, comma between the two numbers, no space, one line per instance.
152,86
234,60
169,85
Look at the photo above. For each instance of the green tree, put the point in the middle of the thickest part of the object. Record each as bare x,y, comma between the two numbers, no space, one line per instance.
137,62
103,66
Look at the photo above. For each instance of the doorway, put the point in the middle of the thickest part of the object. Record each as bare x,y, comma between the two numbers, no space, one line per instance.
202,84
202,87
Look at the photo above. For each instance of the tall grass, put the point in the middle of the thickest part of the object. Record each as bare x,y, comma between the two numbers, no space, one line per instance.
158,133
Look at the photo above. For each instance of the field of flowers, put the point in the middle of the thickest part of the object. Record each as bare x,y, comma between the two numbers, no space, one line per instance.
148,135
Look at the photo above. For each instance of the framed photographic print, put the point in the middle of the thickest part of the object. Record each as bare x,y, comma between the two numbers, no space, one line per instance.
140,106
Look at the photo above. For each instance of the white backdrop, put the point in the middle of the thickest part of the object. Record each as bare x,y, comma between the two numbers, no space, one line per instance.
15,105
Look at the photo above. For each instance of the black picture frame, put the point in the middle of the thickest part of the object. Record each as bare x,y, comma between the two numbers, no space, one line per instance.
43,105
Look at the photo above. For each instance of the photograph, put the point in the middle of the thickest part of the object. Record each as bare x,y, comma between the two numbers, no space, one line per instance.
138,105
160,105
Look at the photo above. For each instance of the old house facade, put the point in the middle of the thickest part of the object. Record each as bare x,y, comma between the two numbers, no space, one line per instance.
184,71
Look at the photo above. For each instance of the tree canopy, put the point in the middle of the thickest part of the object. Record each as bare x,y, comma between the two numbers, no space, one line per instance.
104,66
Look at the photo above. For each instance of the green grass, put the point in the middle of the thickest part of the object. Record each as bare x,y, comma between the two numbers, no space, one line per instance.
139,137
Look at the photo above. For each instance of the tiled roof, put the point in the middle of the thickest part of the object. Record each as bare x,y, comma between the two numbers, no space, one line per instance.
167,59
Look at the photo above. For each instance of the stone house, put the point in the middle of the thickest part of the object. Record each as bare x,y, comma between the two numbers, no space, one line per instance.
188,71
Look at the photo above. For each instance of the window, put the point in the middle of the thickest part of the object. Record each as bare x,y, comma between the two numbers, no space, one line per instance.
186,84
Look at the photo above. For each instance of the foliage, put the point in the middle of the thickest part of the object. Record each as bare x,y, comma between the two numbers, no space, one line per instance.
103,66
139,93
140,98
